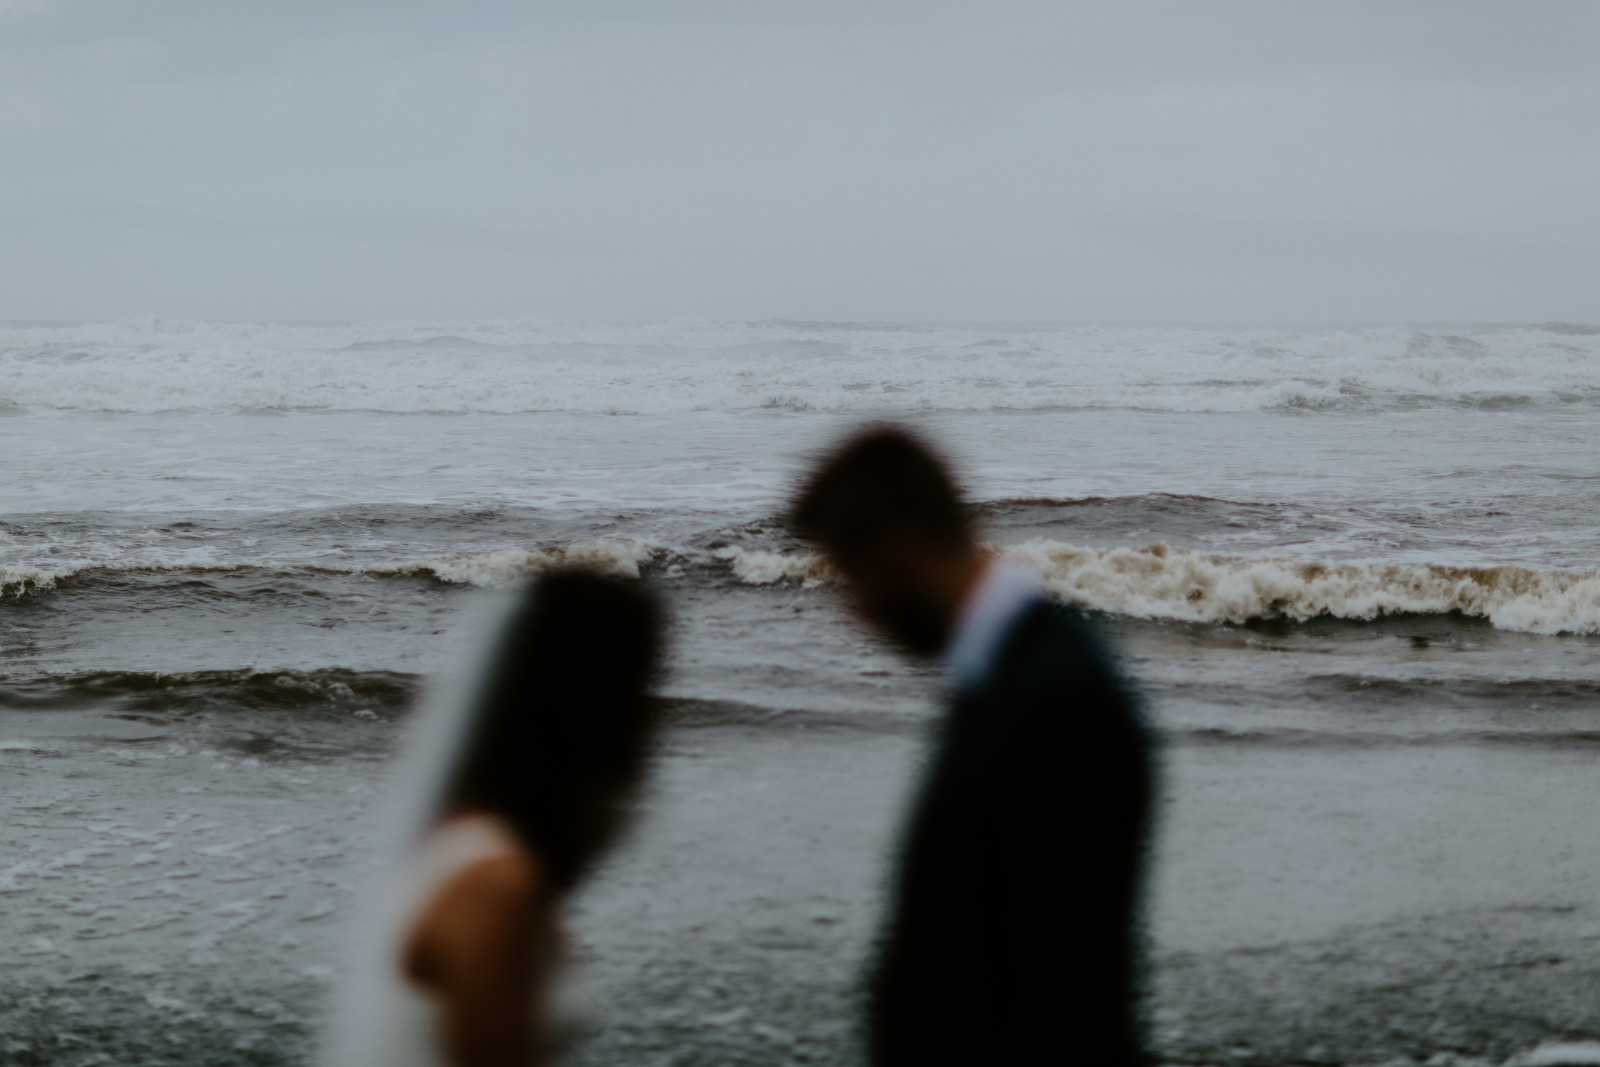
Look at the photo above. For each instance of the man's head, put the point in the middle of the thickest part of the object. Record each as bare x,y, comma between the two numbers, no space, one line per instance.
886,511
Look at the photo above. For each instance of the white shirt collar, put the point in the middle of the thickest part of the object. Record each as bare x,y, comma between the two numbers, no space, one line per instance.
997,601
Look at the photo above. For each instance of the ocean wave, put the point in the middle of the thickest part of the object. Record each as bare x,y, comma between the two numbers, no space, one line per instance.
504,567
366,694
767,568
1161,582
1154,582
510,566
691,366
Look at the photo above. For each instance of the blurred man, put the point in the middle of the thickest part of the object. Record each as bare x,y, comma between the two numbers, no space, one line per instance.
1014,929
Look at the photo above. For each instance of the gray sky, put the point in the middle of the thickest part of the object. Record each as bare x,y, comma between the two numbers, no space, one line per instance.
1201,161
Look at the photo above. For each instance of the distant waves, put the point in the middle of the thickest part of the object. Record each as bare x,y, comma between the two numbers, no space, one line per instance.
684,367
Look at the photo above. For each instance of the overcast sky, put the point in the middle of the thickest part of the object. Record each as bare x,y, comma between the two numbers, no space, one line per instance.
984,160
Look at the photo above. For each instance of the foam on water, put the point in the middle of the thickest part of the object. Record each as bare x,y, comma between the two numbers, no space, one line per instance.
492,570
1155,581
767,568
489,570
1161,582
1559,1054
687,366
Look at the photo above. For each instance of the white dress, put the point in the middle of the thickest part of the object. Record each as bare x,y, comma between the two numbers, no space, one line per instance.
402,1022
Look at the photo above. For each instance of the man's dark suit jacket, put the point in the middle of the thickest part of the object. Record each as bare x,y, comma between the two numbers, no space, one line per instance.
1014,933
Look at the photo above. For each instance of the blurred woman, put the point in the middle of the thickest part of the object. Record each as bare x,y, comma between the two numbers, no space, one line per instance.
536,785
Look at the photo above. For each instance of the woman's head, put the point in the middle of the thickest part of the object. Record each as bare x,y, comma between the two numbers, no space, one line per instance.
565,723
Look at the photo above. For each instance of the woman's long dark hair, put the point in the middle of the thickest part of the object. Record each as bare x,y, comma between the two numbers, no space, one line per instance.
566,721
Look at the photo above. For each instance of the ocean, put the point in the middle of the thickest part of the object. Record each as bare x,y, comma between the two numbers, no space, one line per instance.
1355,572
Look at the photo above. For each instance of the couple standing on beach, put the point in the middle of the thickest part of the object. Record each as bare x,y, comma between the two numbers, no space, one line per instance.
1012,934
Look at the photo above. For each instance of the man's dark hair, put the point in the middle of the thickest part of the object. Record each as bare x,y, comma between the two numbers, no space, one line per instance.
565,724
883,480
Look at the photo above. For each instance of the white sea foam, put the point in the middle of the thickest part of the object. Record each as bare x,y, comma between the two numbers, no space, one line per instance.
767,568
1559,1054
19,580
621,558
688,366
1159,582
1162,582
503,567
1154,582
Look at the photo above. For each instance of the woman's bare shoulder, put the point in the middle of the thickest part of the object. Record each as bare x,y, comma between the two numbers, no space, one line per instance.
494,900
506,879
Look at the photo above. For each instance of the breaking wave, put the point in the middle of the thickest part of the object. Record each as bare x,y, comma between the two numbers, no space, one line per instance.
1152,582
621,558
1160,582
767,568
504,567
